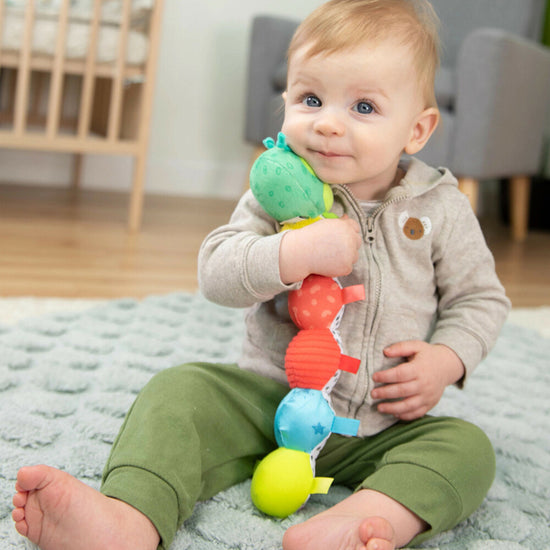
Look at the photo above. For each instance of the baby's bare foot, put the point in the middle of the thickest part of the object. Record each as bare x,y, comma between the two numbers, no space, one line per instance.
57,512
340,532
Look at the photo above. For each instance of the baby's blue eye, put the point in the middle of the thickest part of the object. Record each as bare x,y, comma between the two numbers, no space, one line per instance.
312,101
364,108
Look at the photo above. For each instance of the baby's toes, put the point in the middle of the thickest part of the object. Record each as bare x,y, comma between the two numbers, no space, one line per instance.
377,534
380,544
18,514
20,499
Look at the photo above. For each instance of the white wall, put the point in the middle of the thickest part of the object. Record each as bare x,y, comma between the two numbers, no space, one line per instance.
196,145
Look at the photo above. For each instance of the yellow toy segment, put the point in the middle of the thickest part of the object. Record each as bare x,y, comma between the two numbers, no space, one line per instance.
321,485
328,196
300,223
308,167
283,481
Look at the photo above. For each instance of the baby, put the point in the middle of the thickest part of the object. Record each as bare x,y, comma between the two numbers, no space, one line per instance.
359,94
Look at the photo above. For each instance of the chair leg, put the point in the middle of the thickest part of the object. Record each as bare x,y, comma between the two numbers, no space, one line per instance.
470,187
520,188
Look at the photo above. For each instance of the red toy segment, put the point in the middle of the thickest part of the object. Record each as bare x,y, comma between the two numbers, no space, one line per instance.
349,364
313,357
317,303
353,293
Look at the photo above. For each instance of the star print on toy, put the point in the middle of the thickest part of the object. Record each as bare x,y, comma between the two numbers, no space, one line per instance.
304,419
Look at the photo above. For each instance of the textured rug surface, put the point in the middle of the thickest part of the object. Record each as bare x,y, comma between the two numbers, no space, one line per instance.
67,379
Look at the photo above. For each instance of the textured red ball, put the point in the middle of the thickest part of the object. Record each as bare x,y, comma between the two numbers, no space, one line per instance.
317,303
313,357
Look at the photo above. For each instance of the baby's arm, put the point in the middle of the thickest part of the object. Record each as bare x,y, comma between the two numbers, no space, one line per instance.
238,264
328,247
472,309
247,261
419,382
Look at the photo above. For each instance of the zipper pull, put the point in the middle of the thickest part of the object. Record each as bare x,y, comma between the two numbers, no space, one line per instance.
370,229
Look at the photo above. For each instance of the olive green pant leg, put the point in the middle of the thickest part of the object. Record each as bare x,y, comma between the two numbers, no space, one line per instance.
193,431
440,468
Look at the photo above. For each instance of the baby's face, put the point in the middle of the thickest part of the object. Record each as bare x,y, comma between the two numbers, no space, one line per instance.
352,113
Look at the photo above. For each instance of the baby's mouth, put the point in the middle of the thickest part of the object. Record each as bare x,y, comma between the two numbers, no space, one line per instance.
328,154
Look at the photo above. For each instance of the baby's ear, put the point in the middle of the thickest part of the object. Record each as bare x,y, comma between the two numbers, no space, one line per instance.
423,128
284,94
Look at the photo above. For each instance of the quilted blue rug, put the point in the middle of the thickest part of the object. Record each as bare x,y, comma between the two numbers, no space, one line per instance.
67,379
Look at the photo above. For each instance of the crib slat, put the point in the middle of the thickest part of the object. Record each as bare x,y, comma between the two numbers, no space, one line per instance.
56,83
89,75
146,107
23,75
1,29
151,71
71,66
113,130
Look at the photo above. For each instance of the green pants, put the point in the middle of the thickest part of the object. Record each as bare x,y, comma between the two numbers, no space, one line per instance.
197,429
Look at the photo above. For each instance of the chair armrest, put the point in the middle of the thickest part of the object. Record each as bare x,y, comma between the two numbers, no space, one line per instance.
502,101
268,47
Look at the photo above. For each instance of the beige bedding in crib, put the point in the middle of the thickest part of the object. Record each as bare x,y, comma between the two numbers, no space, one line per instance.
78,29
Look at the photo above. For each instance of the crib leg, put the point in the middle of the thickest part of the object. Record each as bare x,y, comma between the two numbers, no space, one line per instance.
136,197
77,171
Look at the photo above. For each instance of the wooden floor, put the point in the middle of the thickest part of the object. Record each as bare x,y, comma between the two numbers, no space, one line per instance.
62,243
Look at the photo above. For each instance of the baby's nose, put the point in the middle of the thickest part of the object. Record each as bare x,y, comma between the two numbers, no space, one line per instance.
329,122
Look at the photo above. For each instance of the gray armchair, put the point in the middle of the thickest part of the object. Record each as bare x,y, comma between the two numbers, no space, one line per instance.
493,90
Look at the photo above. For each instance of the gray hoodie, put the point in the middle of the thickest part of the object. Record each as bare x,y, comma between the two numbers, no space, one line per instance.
427,271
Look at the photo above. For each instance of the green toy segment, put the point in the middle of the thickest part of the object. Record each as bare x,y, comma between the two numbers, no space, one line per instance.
286,186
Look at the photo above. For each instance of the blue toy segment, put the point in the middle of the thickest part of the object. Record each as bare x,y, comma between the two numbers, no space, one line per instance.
304,419
345,426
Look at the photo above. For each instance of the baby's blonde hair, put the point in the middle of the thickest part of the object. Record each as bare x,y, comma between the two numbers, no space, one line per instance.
343,24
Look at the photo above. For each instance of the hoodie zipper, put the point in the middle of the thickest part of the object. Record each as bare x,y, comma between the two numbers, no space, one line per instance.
359,396
371,218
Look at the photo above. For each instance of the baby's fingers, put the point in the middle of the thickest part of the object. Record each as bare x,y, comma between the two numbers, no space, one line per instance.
404,349
402,373
395,391
406,409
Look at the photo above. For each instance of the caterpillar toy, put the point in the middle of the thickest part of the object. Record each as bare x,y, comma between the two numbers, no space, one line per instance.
289,191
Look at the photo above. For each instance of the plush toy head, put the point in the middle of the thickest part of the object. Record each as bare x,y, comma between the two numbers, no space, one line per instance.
286,186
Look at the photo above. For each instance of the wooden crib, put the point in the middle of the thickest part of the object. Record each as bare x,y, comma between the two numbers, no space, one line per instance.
77,76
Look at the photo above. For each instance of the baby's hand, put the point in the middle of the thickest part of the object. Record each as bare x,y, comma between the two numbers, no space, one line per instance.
418,383
328,247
